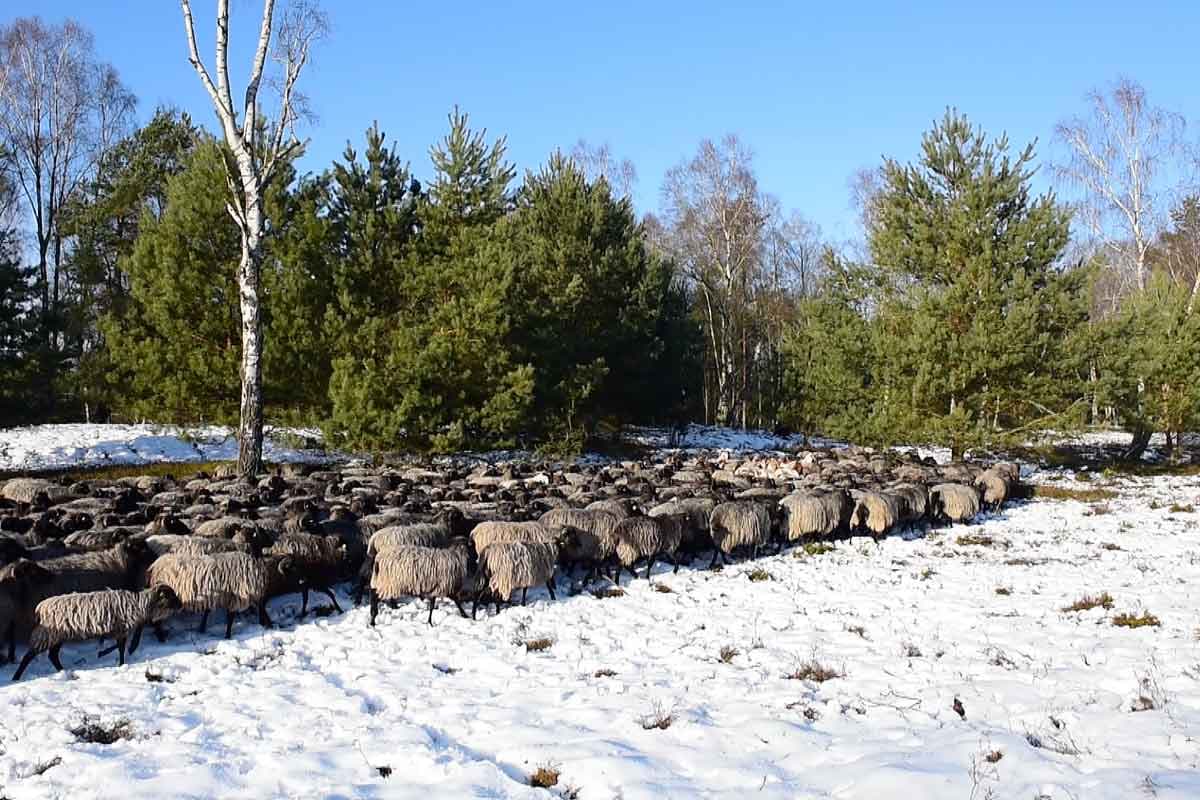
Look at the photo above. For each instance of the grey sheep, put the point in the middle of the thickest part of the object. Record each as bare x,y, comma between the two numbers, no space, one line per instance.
877,512
507,566
222,527
429,573
740,523
813,513
618,507
994,487
318,564
26,490
118,567
596,541
231,582
195,545
101,539
19,583
953,502
489,533
914,501
648,538
92,615
698,510
417,534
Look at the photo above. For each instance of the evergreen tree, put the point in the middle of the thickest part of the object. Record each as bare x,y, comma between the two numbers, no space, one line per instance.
974,311
22,396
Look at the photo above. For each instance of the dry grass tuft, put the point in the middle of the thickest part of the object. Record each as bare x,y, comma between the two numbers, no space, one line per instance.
611,591
813,670
814,549
538,645
663,588
545,777
605,673
759,574
1186,508
1003,590
1088,495
729,653
92,731
1089,601
1143,620
659,718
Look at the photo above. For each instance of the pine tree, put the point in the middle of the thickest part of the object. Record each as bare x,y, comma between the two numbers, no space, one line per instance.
975,309
22,356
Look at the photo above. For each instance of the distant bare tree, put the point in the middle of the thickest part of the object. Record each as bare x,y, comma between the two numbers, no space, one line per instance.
60,108
598,162
258,150
1118,158
714,219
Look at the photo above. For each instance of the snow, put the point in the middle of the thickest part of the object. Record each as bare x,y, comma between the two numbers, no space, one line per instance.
315,707
49,447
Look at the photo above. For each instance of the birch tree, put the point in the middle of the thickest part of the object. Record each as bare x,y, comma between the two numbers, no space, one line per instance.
714,219
1118,158
258,150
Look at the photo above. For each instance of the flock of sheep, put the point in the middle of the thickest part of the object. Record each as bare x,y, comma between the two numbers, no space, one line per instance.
104,559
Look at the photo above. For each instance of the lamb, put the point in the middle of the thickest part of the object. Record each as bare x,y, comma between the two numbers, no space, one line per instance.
740,523
953,502
994,486
507,566
231,582
489,533
877,512
318,562
19,582
90,615
429,573
648,538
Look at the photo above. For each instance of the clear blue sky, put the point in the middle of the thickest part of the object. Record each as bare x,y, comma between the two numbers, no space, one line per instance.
817,90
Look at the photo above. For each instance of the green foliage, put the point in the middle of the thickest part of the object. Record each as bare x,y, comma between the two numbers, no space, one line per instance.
22,351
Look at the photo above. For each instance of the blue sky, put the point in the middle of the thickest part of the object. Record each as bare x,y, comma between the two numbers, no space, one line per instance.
816,90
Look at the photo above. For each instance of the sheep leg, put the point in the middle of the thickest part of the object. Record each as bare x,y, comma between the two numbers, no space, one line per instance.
432,603
649,567
461,610
716,553
263,619
304,602
550,588
204,622
25,662
332,598
54,657
675,561
121,652
137,639
160,632
11,635
524,591
228,623
475,605
374,606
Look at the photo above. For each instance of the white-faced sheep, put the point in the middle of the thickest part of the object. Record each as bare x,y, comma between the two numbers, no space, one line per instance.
19,585
429,573
232,582
876,512
741,523
953,502
79,617
648,538
507,566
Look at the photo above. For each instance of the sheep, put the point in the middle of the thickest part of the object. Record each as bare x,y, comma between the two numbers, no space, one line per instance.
194,545
429,573
618,507
318,562
648,538
19,582
596,540
102,539
419,534
812,514
222,527
27,491
231,582
486,534
877,512
116,568
914,501
698,510
90,615
994,486
12,549
740,523
953,502
507,566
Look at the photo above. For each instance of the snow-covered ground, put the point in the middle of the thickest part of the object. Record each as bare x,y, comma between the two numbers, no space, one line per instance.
973,614
48,447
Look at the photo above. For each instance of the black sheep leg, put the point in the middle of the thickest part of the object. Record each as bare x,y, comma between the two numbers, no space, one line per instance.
263,618
11,636
333,599
54,657
204,622
524,591
374,606
432,603
649,568
25,662
461,610
716,554
137,640
160,632
121,652
304,602
228,624
550,588
675,562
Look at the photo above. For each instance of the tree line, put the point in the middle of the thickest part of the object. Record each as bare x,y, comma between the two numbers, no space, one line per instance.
475,307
